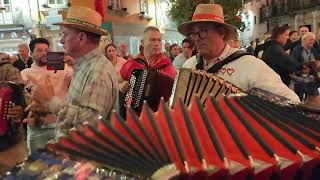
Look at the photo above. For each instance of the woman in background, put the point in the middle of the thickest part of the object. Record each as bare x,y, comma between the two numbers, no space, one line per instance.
112,54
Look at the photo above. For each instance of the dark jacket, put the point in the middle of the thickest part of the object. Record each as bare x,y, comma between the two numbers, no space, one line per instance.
259,48
19,63
250,50
277,59
291,45
316,45
297,54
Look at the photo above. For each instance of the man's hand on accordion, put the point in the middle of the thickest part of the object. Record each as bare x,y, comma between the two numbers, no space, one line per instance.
15,113
124,86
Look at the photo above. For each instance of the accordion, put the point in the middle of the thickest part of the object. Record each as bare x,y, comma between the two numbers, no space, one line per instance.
148,85
238,137
202,84
9,93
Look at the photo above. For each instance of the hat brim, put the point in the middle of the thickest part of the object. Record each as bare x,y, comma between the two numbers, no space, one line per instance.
99,31
231,31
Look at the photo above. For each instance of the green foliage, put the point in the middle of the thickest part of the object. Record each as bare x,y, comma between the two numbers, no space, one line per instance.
182,11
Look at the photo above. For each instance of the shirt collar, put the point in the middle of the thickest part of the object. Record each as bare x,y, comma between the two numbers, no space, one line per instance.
86,58
222,56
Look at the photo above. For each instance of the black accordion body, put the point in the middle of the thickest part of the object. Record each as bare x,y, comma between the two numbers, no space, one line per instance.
202,84
148,85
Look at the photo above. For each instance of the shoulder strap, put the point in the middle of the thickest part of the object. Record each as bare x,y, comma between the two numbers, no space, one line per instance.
236,55
146,65
141,61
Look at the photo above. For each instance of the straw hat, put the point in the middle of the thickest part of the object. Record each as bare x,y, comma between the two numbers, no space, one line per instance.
211,13
85,19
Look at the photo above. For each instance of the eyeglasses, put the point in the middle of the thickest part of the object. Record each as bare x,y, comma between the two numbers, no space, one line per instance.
203,33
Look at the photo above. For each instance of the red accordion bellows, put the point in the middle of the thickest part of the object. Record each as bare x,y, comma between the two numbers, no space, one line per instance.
231,138
6,94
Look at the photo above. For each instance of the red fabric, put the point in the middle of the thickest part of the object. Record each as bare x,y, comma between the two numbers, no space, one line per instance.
208,16
99,7
156,63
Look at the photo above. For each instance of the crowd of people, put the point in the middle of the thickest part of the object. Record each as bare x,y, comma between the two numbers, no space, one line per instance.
94,83
294,55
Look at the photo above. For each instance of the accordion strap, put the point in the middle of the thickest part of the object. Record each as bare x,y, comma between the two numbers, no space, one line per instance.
236,55
139,60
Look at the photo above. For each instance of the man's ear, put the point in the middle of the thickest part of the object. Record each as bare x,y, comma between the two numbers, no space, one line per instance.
82,37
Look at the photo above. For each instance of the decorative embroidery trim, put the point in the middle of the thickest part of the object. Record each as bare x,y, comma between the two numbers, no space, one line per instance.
72,20
229,71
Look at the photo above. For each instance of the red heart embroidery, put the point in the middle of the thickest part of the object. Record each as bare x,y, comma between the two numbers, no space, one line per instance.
230,71
223,70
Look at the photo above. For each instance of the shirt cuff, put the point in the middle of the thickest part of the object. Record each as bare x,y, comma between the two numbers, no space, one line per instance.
54,105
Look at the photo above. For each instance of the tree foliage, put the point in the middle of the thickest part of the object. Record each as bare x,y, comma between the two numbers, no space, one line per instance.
182,11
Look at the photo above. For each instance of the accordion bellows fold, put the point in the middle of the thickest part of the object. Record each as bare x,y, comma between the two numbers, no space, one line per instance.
202,84
237,137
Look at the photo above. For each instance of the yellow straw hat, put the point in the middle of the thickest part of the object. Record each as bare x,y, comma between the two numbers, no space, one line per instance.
85,19
212,13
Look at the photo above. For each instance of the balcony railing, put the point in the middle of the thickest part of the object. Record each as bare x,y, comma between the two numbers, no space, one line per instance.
290,7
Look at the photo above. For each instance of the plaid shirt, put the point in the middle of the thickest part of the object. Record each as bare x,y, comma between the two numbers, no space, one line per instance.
92,93
9,73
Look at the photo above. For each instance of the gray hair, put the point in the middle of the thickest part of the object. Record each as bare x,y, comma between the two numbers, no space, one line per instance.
23,45
308,34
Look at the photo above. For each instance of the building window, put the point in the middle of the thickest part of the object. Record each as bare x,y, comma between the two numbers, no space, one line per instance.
144,6
55,3
6,14
115,4
6,4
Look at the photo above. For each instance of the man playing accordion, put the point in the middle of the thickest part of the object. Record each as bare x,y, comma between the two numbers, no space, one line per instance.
210,33
152,59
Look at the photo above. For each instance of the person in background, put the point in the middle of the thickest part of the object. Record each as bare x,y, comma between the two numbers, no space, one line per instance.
12,147
275,56
93,92
302,31
308,83
188,47
41,125
24,60
167,50
293,37
117,62
250,49
7,71
303,53
259,48
123,50
13,59
151,57
234,43
174,51
112,55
